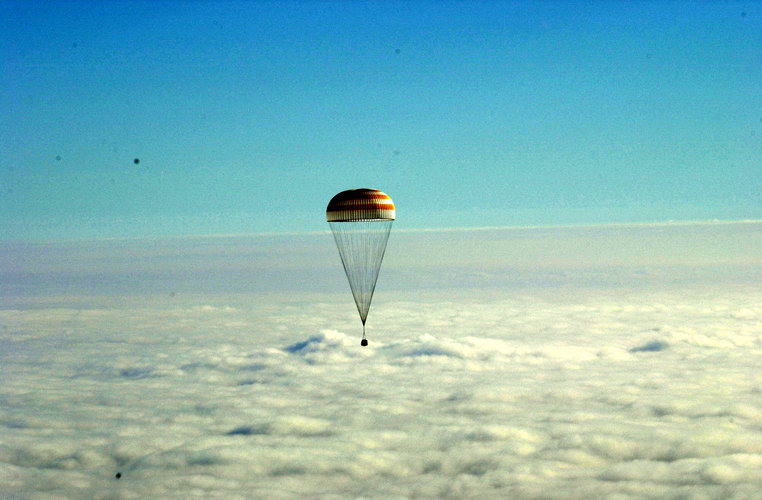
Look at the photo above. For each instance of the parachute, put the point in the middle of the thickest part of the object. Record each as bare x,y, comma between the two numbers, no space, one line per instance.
361,220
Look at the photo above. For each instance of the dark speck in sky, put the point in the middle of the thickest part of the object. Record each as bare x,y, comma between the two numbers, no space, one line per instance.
743,14
136,161
58,158
396,51
118,475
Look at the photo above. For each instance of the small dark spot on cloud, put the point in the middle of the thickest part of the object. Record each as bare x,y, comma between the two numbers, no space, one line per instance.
254,367
661,411
304,345
653,346
249,430
288,470
202,409
202,460
431,467
248,381
136,161
118,475
135,372
172,294
457,397
194,367
478,467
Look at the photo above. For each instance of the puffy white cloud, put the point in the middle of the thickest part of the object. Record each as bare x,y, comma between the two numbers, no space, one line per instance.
567,391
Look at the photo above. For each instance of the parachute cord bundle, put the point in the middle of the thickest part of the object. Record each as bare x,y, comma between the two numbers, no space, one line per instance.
362,245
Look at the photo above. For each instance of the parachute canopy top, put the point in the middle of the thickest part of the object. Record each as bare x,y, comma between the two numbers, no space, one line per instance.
357,205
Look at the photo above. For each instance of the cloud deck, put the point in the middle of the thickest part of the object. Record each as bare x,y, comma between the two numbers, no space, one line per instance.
540,392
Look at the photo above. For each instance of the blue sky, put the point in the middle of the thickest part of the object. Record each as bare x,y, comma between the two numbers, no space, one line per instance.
247,117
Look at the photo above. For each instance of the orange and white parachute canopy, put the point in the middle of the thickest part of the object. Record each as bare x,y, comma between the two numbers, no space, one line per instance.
360,205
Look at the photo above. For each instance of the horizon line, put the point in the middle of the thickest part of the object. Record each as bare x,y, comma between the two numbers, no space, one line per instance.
667,223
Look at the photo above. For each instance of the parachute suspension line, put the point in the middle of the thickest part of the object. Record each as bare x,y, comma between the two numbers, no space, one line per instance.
362,245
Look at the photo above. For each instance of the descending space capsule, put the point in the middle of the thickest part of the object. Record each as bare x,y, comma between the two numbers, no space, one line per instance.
361,220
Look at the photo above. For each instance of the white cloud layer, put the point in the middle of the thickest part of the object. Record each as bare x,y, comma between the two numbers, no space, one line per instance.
645,388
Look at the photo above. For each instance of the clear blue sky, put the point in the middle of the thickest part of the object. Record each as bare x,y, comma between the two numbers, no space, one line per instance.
248,116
